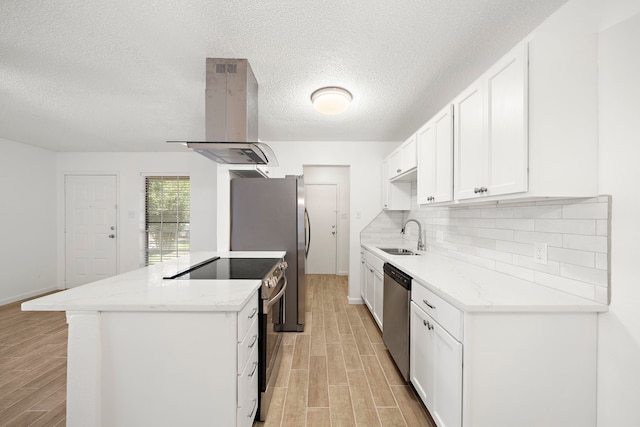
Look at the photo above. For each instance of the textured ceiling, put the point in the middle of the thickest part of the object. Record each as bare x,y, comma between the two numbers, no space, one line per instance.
122,75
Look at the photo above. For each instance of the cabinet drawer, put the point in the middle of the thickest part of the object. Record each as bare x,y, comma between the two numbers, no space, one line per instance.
248,391
449,317
375,262
246,316
248,344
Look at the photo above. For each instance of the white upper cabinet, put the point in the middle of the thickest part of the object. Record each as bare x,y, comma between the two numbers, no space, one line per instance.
491,131
527,129
435,159
396,196
403,161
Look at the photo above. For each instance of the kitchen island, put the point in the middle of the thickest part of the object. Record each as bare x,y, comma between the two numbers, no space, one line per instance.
143,350
489,349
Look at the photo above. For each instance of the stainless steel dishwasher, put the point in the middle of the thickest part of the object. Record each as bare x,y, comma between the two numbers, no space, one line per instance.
396,316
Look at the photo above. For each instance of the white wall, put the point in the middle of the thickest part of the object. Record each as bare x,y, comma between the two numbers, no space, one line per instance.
130,169
365,161
27,220
619,329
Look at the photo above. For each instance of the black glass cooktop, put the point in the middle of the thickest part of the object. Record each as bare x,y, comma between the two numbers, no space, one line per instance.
231,268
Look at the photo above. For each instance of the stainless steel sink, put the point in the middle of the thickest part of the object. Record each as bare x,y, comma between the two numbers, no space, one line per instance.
398,251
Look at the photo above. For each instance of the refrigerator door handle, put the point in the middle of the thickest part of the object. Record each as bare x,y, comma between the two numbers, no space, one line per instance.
307,233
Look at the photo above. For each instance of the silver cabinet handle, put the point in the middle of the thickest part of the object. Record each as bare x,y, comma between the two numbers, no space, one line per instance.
112,236
255,366
433,307
253,313
255,338
425,322
429,326
399,170
255,403
480,190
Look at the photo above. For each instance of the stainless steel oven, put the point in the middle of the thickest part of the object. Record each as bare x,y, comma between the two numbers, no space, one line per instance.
271,271
272,313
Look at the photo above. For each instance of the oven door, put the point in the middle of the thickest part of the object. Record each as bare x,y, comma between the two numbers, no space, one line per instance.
272,313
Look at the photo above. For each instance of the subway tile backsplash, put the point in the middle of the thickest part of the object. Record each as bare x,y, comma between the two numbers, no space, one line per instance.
501,237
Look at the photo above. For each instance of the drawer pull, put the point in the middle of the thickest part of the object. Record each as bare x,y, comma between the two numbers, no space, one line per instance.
255,366
427,324
253,409
432,307
253,313
255,338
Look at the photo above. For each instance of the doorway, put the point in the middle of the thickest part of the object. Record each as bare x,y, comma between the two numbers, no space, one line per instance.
90,228
328,187
322,208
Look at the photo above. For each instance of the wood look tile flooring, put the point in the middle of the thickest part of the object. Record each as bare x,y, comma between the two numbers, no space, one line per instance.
33,368
336,373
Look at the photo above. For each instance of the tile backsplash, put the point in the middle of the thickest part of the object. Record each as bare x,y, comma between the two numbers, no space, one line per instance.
501,237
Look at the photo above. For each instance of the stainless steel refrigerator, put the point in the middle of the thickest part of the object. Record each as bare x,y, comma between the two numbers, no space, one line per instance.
269,215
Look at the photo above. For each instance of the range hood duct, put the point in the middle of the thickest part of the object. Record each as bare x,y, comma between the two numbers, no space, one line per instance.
231,116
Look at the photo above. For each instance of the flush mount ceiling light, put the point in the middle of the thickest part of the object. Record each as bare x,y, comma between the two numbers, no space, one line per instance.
331,100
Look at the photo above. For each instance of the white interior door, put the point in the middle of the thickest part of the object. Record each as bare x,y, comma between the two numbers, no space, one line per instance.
322,206
90,228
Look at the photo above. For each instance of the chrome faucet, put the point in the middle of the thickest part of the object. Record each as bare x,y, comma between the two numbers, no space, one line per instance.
421,246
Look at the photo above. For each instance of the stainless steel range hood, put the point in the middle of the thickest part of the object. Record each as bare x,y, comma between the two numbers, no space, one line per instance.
231,116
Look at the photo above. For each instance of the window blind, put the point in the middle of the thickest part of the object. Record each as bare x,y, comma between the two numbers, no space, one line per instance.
167,216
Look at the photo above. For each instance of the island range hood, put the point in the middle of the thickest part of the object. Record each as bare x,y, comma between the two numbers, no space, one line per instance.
231,116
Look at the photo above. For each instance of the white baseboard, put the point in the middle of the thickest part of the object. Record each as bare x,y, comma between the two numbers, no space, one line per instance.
355,300
27,295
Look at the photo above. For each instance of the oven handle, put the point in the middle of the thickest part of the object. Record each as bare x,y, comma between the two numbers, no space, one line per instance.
278,295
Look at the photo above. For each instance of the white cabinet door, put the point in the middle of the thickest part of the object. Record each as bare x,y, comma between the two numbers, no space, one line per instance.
435,159
378,298
436,368
447,387
426,163
385,184
395,164
408,154
491,132
363,276
369,294
395,195
470,144
507,118
421,355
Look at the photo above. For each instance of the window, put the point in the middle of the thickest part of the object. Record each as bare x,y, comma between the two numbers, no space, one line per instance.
167,215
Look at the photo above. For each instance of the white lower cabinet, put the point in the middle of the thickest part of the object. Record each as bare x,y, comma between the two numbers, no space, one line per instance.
436,368
503,368
163,369
373,285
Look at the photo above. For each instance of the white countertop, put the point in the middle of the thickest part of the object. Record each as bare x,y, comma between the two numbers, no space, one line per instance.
146,290
472,288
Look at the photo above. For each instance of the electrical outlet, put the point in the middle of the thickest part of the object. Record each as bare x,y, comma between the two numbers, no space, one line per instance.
540,253
440,236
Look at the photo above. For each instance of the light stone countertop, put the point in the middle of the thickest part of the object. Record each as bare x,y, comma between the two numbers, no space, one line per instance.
146,290
475,289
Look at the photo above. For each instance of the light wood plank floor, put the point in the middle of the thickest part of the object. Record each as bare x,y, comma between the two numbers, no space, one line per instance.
336,373
33,367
